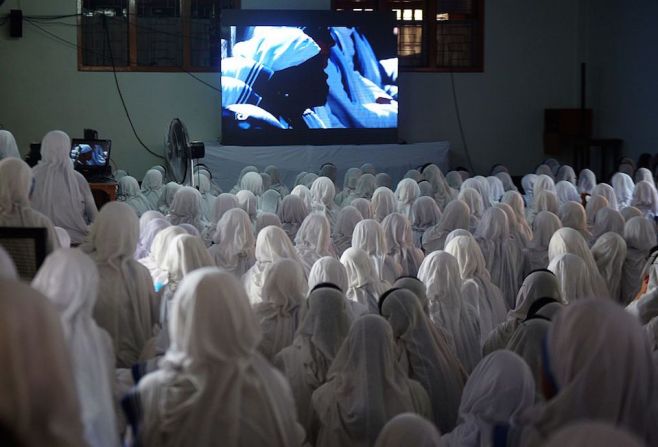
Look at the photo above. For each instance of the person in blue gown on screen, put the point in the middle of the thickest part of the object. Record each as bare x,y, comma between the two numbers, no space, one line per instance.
88,155
276,78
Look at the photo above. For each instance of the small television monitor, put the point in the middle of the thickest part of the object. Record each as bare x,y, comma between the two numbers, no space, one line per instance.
90,156
308,77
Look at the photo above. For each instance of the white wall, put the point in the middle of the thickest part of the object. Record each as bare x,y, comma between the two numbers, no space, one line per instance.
620,46
531,63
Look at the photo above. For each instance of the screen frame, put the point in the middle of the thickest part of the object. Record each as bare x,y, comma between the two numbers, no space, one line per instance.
287,137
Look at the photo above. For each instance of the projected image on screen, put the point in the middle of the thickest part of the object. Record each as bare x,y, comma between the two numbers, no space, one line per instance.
89,154
300,78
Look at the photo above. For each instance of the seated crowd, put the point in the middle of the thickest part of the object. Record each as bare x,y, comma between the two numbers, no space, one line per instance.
456,309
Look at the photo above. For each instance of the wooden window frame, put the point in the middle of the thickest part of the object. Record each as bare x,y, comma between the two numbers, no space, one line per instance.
430,30
133,66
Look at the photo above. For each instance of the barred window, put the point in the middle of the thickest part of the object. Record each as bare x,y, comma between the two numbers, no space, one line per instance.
150,35
433,35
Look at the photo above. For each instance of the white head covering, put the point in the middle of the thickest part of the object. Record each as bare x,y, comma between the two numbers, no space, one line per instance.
543,182
624,187
383,179
629,212
609,252
594,204
586,181
292,213
270,202
253,182
272,244
640,237
57,191
159,248
39,401
409,429
63,237
453,178
478,289
427,355
508,184
7,267
440,273
543,228
186,208
323,192
276,185
455,216
572,272
369,236
604,190
147,235
573,215
365,187
280,312
211,380
528,183
265,220
481,185
545,201
8,146
328,270
207,198
607,220
442,191
126,296
547,168
129,192
348,217
366,387
406,194
152,187
473,199
593,434
499,389
234,242
566,192
318,339
496,189
363,206
313,240
503,255
400,244
248,202
167,197
607,382
383,203
643,174
515,201
568,240
425,213
305,194
364,286
645,198
185,254
566,173
69,278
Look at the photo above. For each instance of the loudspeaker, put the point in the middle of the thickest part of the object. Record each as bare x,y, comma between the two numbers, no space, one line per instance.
16,23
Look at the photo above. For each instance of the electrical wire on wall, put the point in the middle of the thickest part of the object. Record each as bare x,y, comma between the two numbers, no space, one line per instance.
459,122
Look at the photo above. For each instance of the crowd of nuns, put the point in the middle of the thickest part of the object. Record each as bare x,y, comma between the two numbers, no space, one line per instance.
442,310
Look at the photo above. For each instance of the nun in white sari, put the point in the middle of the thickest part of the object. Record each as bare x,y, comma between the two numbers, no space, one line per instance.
607,220
369,236
364,286
448,309
640,237
8,146
425,354
399,242
455,216
329,270
69,279
152,187
306,362
234,243
292,213
323,192
645,199
515,201
272,244
536,252
221,205
609,252
313,240
624,186
167,197
282,309
502,253
341,237
39,404
61,193
574,277
425,214
406,194
573,215
126,305
499,389
383,203
537,285
478,290
409,429
15,210
607,382
473,199
186,208
212,384
365,388
129,193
